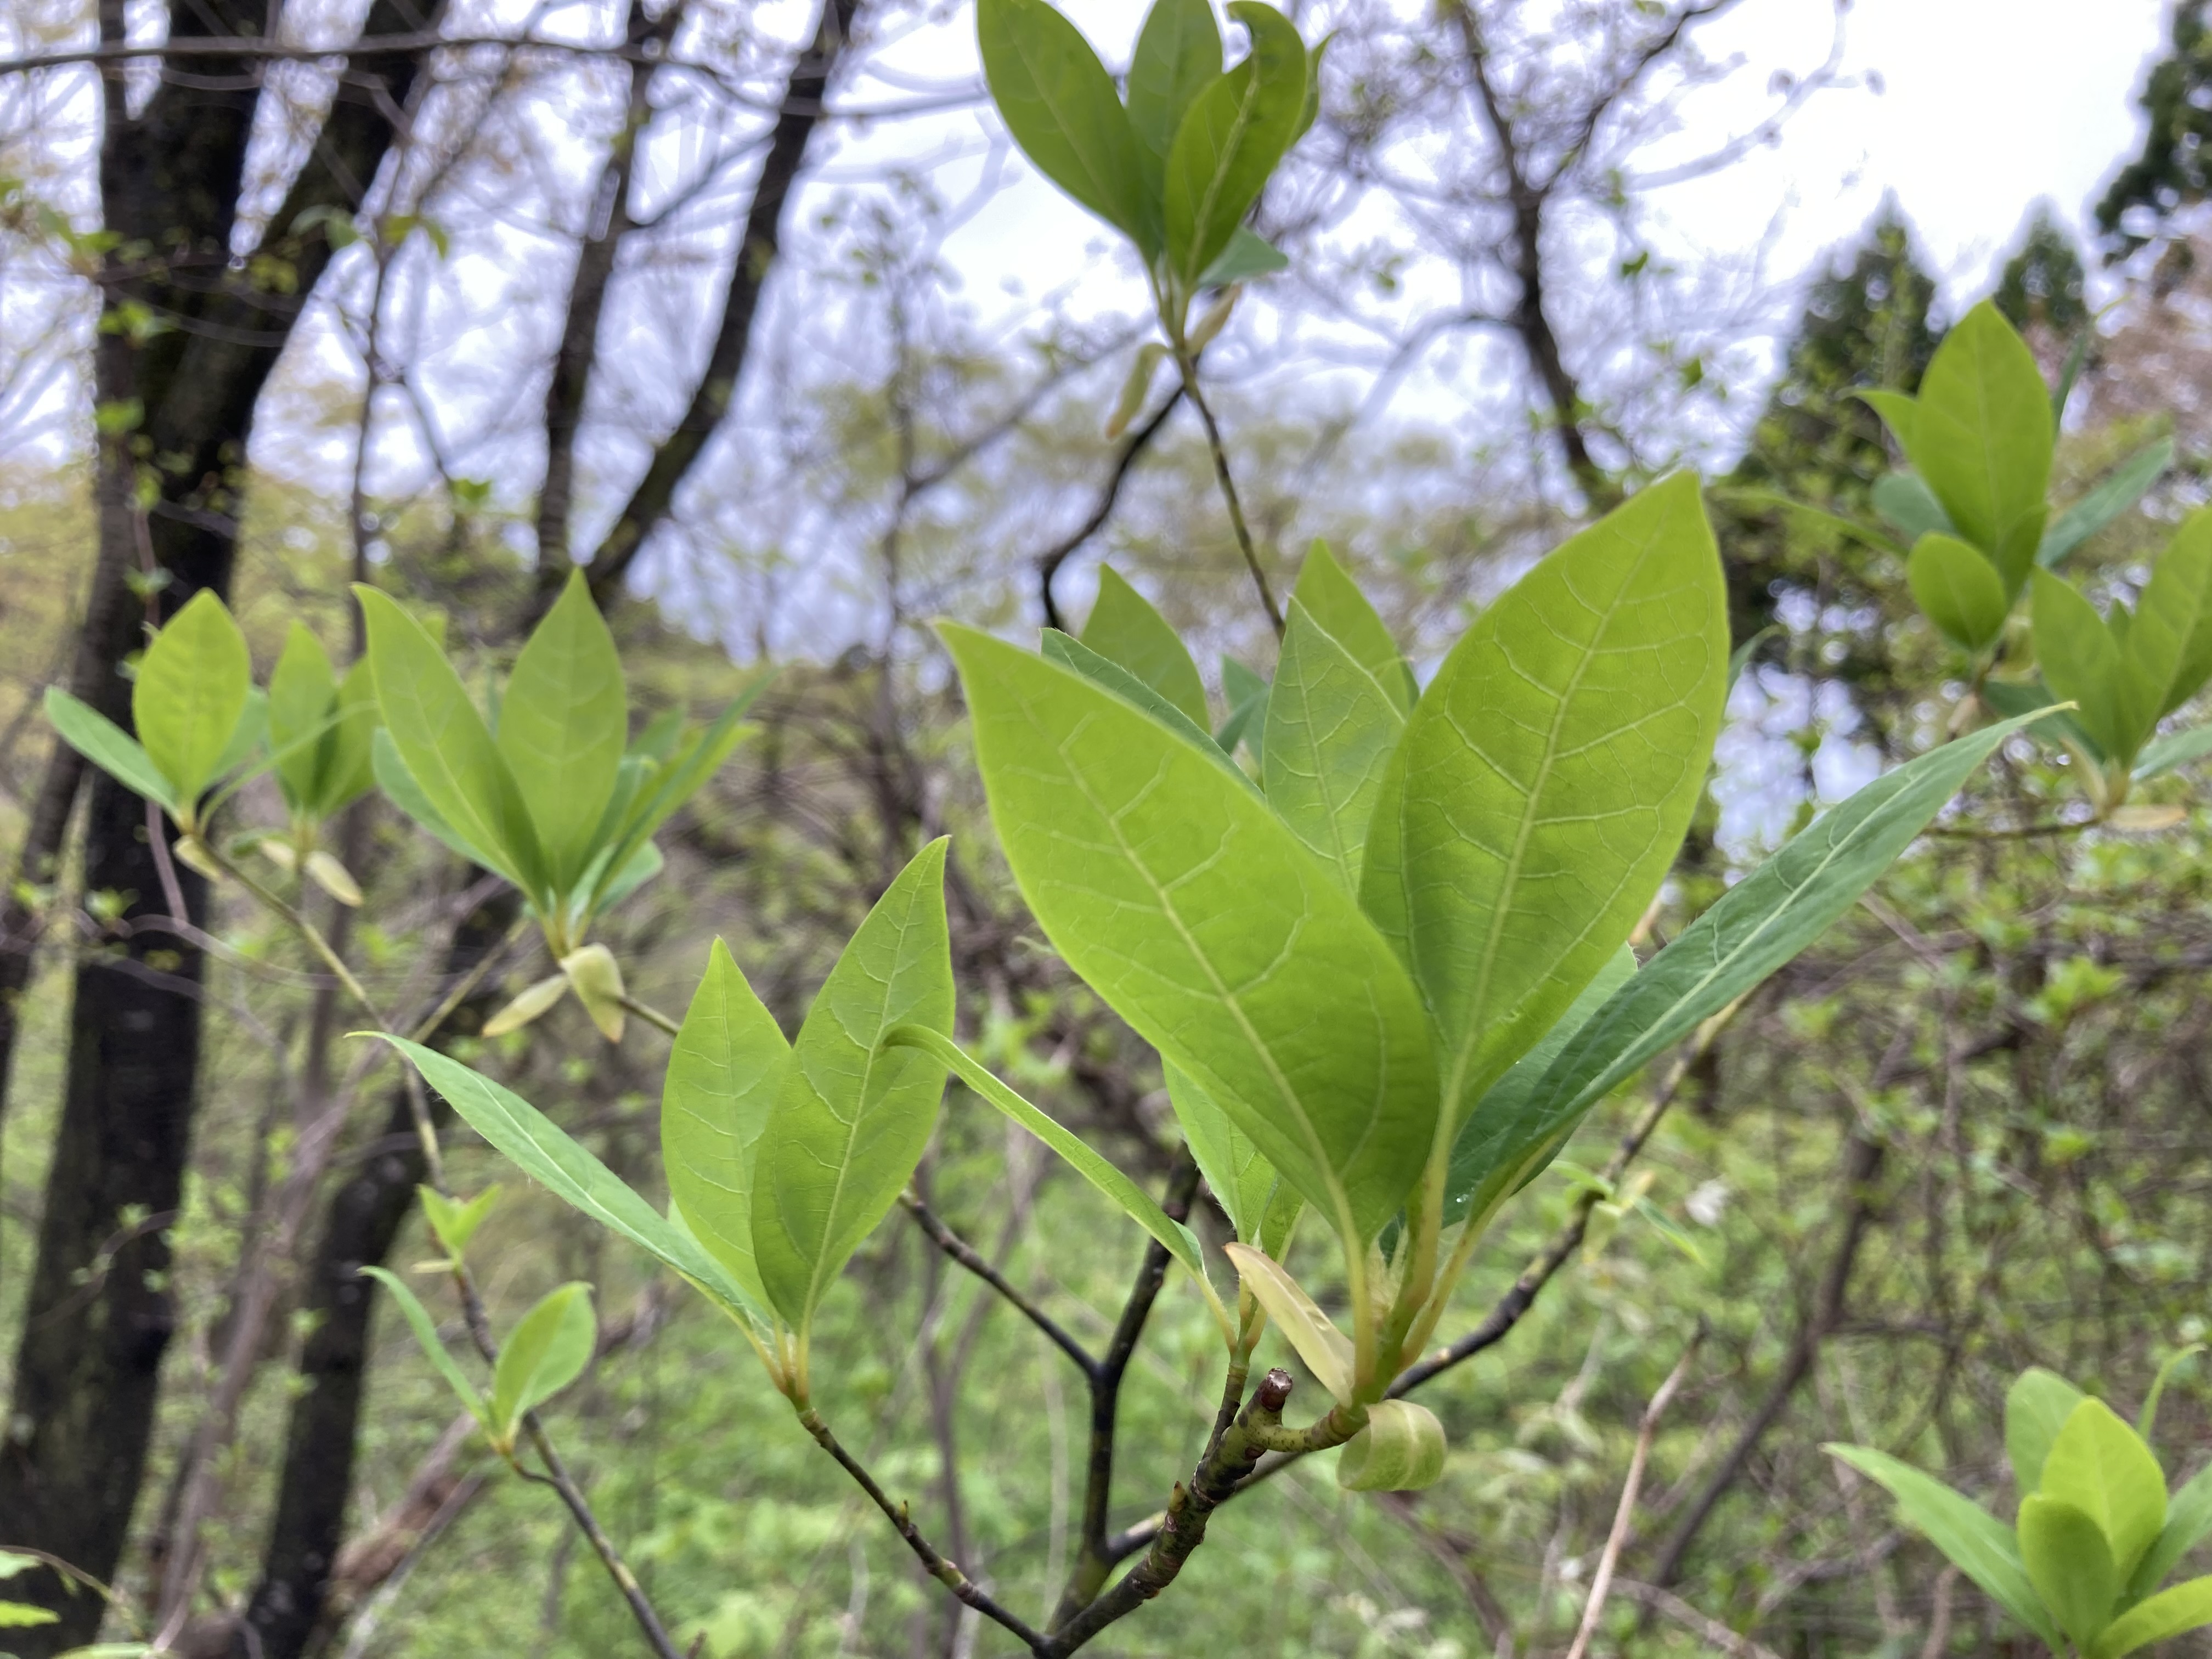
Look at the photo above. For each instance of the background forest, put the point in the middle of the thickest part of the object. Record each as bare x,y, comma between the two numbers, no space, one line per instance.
664,294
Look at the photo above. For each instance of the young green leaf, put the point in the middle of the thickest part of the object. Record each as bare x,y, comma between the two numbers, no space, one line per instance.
1960,590
1247,255
1232,138
1981,436
2169,645
426,1333
303,704
25,1615
441,742
2080,662
2069,1563
1332,726
1547,777
2100,1466
1337,603
1326,1350
1059,103
1124,629
1247,721
1488,1140
1068,653
1900,413
1906,501
686,771
563,724
345,770
2171,1612
454,1221
546,1350
1178,55
850,1120
192,688
546,1153
1242,1180
1754,927
530,1003
1978,1544
2147,1419
2037,1406
109,748
596,978
728,1063
2112,495
2188,1519
1402,1450
2010,698
1179,897
1176,1238
2174,749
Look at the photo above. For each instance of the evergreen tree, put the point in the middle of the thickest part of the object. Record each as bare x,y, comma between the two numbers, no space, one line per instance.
2042,284
2172,172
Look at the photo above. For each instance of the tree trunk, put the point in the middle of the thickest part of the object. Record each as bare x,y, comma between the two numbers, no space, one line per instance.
99,1314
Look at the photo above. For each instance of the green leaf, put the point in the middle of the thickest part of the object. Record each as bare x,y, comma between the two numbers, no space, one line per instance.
2013,697
109,747
2174,749
2169,645
22,1615
1959,589
1548,775
546,1350
596,977
192,688
2113,495
1178,55
1338,605
1069,652
1900,413
2080,662
1332,727
2147,1419
1906,501
1402,1450
440,740
454,1221
1246,725
1235,133
400,788
346,770
2069,1563
2188,1519
728,1061
563,724
1176,894
1124,629
2037,1406
1059,103
1490,1140
1326,1350
1260,1205
2099,1466
1981,436
850,1120
426,1333
2187,1607
303,694
639,868
546,1153
1176,1238
1977,1543
696,759
1754,927
1247,255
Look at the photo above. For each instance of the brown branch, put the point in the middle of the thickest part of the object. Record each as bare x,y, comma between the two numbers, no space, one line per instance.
1049,562
757,248
1862,1162
965,1254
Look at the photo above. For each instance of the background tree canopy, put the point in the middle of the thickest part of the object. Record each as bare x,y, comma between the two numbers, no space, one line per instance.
665,367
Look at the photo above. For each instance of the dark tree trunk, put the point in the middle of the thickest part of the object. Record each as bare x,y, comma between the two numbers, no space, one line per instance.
315,1488
98,1316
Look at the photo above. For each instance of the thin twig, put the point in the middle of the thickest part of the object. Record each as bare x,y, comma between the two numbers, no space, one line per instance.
1222,475
650,1015
946,1573
962,1252
1623,1515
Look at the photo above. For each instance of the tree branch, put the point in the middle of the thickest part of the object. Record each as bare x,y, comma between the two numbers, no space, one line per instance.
958,1249
1049,562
